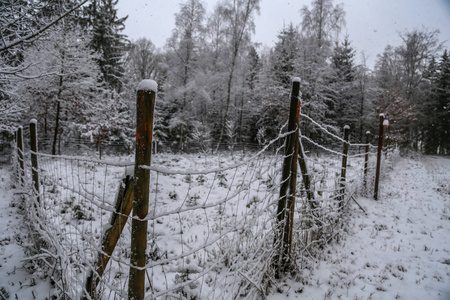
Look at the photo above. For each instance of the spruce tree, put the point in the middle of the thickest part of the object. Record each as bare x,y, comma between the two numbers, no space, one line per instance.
107,39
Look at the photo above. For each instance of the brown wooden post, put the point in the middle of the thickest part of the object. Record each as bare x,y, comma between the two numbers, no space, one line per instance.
344,166
286,202
34,160
380,147
306,177
111,236
145,105
366,161
20,155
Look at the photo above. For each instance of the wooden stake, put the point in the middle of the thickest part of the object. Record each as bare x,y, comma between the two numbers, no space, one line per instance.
145,106
34,160
286,202
344,166
111,236
380,147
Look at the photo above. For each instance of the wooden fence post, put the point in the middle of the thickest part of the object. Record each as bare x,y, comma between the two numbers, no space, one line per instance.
111,236
145,105
380,147
34,160
366,161
344,166
286,202
306,177
20,153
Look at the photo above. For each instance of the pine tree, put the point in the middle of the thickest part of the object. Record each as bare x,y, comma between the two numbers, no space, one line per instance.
107,40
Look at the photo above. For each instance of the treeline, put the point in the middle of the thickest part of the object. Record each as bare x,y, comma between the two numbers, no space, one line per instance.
216,88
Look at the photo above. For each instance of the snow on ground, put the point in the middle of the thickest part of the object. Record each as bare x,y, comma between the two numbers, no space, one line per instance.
15,281
399,250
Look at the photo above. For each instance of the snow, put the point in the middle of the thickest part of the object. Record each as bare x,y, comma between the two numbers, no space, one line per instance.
386,123
33,121
296,79
148,85
15,279
399,249
381,115
347,127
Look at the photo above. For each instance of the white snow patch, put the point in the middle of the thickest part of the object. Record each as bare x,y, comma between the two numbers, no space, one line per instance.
296,79
386,123
147,85
33,121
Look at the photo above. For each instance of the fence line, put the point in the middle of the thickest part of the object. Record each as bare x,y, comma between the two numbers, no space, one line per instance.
212,228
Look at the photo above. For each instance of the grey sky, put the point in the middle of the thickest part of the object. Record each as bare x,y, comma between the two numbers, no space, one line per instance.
371,24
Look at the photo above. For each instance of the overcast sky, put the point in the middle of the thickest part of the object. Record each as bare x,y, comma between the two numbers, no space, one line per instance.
371,24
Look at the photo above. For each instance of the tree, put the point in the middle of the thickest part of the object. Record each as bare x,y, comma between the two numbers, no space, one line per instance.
437,112
238,15
323,22
71,81
107,40
184,43
22,23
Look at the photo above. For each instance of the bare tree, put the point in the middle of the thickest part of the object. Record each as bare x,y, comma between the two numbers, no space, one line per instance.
239,17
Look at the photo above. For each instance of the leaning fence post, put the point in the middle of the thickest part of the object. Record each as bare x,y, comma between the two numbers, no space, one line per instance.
344,166
380,147
34,160
145,105
366,161
21,170
286,202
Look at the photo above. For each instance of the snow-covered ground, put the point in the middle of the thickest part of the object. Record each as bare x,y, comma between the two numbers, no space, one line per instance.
400,249
17,280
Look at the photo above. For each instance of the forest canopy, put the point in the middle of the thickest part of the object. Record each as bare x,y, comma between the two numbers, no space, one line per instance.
69,65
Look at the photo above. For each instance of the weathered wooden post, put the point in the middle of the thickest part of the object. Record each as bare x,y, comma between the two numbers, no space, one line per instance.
306,177
366,161
145,105
20,153
344,166
286,202
34,160
111,236
380,148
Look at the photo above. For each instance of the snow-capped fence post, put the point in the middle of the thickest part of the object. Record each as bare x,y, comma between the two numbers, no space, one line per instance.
366,160
21,170
34,160
380,147
145,105
286,201
344,166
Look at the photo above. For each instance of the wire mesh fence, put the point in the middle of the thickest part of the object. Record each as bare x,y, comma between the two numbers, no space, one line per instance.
212,219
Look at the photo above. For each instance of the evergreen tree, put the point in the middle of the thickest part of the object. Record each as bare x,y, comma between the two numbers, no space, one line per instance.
107,40
437,128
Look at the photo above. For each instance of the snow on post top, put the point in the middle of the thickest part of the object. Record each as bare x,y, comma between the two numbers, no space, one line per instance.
296,79
382,115
147,85
347,127
367,132
386,123
33,121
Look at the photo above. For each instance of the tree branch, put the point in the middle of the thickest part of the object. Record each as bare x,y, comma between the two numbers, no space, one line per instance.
41,30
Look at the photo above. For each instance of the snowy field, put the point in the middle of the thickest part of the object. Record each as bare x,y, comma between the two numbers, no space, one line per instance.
399,250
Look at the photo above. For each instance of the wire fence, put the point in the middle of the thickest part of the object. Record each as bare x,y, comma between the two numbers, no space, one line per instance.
212,226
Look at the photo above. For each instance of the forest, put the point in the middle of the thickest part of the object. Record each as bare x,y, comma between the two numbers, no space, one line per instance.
68,64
